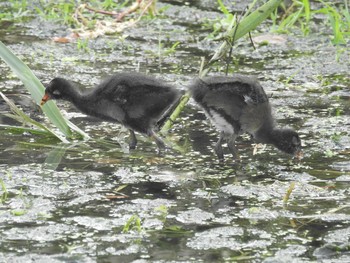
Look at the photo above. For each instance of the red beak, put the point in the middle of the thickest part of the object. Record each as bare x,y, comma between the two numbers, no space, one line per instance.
299,155
45,98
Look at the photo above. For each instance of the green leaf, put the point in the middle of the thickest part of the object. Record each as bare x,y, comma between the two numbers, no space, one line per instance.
36,90
18,212
54,157
253,20
223,7
20,116
18,129
134,222
247,24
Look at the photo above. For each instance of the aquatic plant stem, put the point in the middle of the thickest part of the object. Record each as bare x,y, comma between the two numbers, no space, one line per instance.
169,123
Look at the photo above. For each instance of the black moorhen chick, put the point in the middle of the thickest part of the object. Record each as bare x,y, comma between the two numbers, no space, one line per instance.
239,104
132,99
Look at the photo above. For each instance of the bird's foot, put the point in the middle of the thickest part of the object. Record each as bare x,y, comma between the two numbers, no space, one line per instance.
132,145
133,140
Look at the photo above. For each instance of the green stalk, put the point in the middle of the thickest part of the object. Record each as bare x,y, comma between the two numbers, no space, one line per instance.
169,123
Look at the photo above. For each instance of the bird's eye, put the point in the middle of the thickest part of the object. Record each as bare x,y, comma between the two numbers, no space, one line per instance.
56,92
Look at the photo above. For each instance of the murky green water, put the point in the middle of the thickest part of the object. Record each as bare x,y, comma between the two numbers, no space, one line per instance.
71,203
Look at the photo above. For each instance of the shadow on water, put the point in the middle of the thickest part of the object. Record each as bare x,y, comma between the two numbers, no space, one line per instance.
72,202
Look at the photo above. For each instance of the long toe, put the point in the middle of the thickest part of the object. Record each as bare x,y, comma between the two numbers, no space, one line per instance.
233,149
160,143
133,140
218,148
219,152
132,145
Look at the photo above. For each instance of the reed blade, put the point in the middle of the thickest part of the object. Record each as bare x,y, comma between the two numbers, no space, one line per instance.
36,89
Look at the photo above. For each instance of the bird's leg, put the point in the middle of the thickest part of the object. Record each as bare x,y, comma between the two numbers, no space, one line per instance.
232,147
157,139
133,140
218,147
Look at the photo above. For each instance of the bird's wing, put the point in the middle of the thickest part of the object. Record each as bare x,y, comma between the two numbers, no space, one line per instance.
137,97
225,99
150,100
238,85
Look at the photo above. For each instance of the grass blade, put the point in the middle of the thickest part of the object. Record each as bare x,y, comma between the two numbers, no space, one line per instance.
54,158
21,129
20,116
